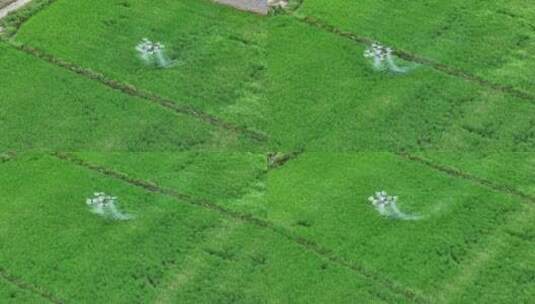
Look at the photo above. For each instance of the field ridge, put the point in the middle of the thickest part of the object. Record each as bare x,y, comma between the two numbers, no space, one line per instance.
7,156
306,244
49,297
452,171
279,159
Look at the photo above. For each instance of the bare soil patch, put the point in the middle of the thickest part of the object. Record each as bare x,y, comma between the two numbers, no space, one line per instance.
7,6
256,6
4,3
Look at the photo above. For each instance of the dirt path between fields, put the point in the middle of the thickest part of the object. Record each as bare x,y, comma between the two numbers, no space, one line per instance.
12,7
256,6
4,3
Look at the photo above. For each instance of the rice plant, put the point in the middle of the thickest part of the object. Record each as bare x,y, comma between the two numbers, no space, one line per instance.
105,205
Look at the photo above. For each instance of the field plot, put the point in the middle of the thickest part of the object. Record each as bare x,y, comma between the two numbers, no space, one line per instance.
323,197
464,227
330,151
312,238
248,265
78,256
216,54
289,79
62,111
325,96
490,39
171,251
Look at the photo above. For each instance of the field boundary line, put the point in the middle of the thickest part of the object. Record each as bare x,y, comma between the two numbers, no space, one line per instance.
7,156
308,245
408,56
6,4
455,172
24,13
276,160
27,286
133,91
12,6
298,5
295,7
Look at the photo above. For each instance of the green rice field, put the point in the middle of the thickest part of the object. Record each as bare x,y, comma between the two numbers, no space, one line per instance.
185,151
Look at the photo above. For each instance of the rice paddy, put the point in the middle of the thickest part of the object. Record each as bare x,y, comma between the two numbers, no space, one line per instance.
302,151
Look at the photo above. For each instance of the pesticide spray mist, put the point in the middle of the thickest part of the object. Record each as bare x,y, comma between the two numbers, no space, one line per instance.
383,59
153,53
105,206
387,206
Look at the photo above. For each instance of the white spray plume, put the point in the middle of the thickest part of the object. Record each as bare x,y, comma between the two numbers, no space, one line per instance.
104,205
153,53
387,206
383,59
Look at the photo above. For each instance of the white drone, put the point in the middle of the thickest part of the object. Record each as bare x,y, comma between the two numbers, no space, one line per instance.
387,206
383,58
153,53
105,205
